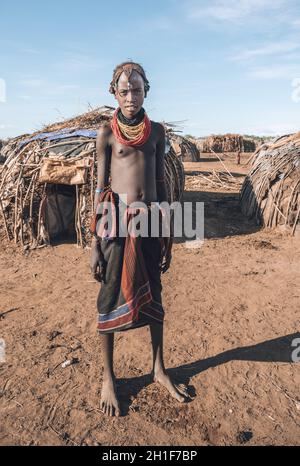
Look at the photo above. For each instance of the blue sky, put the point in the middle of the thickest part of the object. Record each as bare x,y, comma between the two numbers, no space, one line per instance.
221,65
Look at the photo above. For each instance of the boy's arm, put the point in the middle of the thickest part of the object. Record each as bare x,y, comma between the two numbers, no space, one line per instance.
161,189
160,165
103,149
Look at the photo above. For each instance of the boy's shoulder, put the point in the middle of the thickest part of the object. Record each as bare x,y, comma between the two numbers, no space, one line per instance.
158,128
105,128
104,132
157,124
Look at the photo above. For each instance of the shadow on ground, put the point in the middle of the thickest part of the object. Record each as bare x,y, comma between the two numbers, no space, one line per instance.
276,351
222,215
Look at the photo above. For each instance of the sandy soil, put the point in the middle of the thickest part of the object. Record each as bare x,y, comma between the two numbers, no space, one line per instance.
232,313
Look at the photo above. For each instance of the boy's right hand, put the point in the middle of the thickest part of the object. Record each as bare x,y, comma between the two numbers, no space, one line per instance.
98,264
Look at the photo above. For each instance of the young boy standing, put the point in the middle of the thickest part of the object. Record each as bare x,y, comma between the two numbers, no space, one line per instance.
133,148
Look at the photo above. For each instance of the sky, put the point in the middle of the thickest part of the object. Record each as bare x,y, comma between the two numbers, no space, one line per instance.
215,66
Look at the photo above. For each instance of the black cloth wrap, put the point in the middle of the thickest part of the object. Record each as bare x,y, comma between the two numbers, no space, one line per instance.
131,121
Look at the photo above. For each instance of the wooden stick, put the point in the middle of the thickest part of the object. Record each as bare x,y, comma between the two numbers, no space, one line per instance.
40,214
31,206
76,215
290,198
92,181
78,195
16,206
215,174
222,163
296,220
21,215
5,223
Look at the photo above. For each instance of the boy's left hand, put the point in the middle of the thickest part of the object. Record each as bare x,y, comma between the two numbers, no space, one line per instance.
165,263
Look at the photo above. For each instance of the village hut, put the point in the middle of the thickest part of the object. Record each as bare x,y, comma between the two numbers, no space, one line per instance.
249,145
2,158
228,143
48,180
183,147
271,190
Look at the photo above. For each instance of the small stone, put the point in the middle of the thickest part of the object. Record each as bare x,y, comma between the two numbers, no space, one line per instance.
244,436
54,334
69,362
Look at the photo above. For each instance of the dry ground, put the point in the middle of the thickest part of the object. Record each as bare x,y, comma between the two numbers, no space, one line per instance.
232,313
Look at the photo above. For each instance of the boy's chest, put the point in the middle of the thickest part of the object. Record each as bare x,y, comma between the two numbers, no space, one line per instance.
147,150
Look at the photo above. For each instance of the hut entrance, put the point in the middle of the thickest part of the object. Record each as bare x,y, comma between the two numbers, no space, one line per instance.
60,212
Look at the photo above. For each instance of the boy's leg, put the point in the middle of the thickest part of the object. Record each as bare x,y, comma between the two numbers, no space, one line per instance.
159,372
109,402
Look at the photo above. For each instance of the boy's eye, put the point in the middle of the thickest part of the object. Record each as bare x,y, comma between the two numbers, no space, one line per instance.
123,93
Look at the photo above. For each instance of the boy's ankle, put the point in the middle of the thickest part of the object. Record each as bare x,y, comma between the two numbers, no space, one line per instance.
109,377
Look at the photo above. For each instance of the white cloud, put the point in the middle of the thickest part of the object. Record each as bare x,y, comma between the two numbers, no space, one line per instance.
54,89
158,24
32,82
24,97
232,10
30,51
46,87
3,126
79,63
277,129
270,49
275,72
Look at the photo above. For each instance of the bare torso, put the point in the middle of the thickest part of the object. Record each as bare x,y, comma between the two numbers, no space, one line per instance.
134,170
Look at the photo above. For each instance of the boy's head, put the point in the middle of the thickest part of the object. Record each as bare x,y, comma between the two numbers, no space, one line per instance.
129,86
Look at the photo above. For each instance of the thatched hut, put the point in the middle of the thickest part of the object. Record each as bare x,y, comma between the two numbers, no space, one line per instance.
249,145
271,190
48,180
2,157
228,143
183,147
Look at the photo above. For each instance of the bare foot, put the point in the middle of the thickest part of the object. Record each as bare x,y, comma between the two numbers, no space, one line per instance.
109,403
179,392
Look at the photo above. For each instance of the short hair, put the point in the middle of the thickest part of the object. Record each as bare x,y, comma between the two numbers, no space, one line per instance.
128,67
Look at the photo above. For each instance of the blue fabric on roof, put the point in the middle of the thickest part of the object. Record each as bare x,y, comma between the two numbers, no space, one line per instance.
62,134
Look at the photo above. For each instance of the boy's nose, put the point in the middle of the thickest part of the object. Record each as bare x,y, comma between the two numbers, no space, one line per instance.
130,96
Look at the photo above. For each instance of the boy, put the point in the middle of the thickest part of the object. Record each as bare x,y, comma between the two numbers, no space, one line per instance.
129,268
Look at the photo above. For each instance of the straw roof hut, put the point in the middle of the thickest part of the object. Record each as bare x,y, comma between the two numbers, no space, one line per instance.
48,179
228,143
271,190
183,147
249,145
2,144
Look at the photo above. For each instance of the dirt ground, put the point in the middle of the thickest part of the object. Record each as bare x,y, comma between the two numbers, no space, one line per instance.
232,315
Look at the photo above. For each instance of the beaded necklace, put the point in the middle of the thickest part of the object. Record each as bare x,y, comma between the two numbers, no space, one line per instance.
131,135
